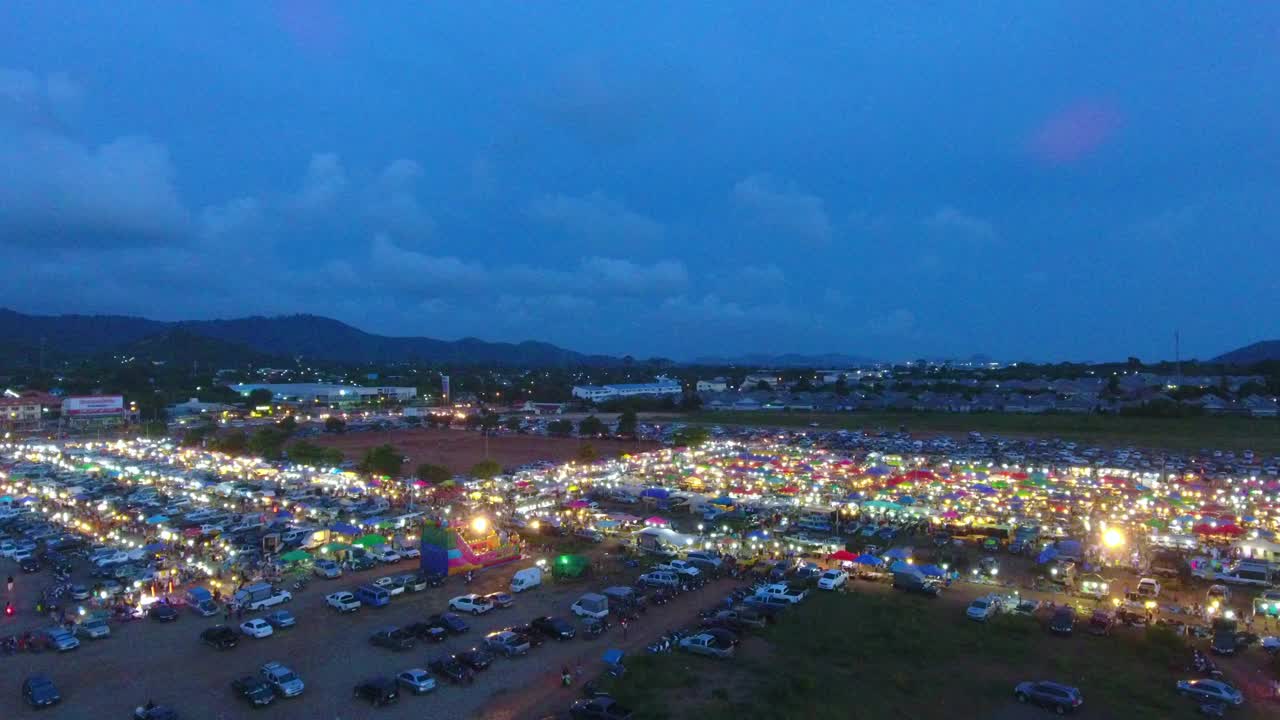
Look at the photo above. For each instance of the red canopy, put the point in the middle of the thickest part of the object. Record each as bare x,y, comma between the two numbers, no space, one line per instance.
843,556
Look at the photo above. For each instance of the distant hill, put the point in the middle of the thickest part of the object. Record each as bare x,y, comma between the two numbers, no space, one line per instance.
251,339
1251,354
822,361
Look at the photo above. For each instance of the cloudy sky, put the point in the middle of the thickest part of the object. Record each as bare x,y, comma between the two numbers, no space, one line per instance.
1034,180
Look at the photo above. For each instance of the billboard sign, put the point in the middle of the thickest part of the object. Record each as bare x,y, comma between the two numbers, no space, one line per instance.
93,405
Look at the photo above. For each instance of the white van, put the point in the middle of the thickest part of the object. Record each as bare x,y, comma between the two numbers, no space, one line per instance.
592,605
526,579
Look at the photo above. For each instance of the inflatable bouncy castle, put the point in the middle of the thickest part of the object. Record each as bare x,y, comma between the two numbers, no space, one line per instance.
450,550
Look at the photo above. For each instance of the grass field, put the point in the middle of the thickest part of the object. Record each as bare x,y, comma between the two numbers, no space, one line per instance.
865,655
1192,433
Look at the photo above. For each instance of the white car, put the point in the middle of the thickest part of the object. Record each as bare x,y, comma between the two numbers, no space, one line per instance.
410,552
832,579
1214,690
256,628
393,585
7,547
682,568
474,604
418,681
388,556
343,602
983,608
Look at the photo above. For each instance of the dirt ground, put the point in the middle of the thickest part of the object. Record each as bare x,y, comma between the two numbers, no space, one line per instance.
458,450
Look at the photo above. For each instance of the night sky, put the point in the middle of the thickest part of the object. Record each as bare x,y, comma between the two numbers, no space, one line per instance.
1029,180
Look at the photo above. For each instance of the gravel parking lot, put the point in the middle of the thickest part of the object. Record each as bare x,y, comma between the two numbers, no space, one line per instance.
168,664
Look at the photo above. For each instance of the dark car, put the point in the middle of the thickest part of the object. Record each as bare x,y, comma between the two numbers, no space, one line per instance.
1224,643
220,637
526,631
1055,696
451,622
1063,621
155,712
600,708
500,599
163,612
427,631
1101,622
378,691
393,638
29,565
475,658
254,690
554,627
724,638
452,669
39,691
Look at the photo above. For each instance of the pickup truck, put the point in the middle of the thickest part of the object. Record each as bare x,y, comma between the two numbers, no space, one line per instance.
343,602
706,644
783,592
680,567
767,604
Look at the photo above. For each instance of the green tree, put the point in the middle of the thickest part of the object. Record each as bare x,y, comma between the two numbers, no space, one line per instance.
842,386
258,396
763,386
587,453
233,443
590,427
382,460
560,428
335,424
690,437
288,425
512,423
268,442
433,474
154,429
486,469
490,421
627,422
307,453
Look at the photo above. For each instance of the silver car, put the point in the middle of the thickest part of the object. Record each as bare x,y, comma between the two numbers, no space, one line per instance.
418,681
1214,690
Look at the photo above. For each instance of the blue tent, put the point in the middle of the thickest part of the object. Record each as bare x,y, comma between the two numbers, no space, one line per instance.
157,519
901,567
1046,555
284,514
344,529
898,553
878,470
906,500
1068,547
865,559
655,492
153,547
756,535
931,570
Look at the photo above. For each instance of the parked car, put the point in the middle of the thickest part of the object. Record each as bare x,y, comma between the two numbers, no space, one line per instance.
281,619
378,691
554,627
94,628
1101,622
500,599
451,669
472,603
981,609
599,708
392,637
253,690
343,602
418,681
1212,690
163,612
1063,621
1055,696
256,628
39,691
475,658
832,579
706,644
282,680
327,569
427,631
393,585
450,622
387,555
220,637
413,582
505,642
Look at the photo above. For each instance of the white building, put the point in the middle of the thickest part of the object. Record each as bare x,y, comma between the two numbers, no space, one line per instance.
714,385
596,393
327,393
752,381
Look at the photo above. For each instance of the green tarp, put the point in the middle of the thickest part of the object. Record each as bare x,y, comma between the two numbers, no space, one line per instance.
296,556
371,540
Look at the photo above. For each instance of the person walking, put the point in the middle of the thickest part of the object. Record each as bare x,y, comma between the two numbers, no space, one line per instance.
624,628
10,584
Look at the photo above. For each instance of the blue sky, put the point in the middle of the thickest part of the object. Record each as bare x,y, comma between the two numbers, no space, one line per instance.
1029,180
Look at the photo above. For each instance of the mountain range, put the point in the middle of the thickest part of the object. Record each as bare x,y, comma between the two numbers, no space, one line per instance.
53,338
1251,354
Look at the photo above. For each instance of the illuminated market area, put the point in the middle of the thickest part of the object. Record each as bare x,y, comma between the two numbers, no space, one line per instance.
104,534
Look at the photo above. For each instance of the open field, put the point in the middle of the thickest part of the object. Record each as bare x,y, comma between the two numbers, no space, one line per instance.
1192,433
876,655
458,450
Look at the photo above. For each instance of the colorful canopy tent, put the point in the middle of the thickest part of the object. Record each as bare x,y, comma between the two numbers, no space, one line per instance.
334,548
656,521
371,540
655,492
869,560
931,571
342,528
842,556
294,556
898,553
